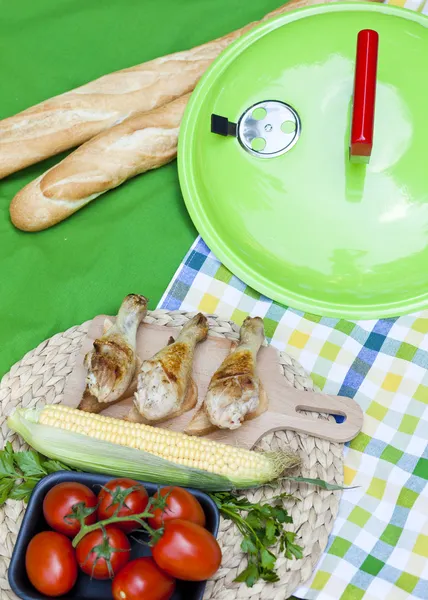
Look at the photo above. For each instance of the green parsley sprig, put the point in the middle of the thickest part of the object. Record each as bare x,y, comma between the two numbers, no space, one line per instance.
262,528
21,471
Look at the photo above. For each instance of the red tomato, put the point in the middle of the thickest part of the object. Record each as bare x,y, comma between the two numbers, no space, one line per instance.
58,505
102,554
187,551
179,504
133,503
142,578
51,564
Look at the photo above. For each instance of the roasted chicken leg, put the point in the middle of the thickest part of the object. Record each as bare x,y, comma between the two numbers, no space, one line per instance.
234,389
112,362
165,386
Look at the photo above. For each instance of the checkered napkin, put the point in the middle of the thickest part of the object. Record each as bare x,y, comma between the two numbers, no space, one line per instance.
378,549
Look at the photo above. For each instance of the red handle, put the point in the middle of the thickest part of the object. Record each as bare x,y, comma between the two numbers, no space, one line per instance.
364,96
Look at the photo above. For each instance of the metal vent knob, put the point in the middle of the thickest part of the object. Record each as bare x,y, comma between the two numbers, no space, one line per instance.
269,128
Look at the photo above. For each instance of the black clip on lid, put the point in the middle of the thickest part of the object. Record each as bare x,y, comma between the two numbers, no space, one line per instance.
222,126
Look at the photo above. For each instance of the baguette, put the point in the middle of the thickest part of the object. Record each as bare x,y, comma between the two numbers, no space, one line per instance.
70,119
142,142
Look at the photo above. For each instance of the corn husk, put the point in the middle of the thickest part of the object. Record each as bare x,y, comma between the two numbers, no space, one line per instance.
98,456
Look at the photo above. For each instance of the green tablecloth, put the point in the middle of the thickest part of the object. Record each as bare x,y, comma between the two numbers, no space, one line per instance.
133,238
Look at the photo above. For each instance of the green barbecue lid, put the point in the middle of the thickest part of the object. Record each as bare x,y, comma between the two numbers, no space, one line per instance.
279,200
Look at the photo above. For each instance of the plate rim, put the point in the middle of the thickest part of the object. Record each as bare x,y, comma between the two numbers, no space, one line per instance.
215,242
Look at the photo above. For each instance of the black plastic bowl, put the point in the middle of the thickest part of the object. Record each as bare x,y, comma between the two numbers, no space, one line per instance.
87,588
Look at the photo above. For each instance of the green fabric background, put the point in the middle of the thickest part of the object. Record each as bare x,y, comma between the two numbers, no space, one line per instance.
131,239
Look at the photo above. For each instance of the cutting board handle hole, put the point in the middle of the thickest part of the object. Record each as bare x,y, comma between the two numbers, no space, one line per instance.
339,416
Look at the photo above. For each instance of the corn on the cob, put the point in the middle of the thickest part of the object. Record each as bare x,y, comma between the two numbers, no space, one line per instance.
102,444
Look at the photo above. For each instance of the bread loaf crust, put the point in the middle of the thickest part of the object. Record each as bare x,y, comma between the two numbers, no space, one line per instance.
142,142
72,118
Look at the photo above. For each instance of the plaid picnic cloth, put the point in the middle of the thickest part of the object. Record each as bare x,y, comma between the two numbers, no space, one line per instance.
378,549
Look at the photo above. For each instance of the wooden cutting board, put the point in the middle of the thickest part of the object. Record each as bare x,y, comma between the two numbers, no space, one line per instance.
285,402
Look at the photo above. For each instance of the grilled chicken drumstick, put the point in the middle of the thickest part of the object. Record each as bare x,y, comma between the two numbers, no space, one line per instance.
165,386
112,362
234,389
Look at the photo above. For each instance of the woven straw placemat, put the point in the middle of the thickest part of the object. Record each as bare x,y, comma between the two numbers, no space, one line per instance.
39,378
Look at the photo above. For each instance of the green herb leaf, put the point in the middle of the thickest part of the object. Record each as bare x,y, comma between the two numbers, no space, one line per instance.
321,483
5,487
265,510
8,448
270,532
30,463
267,559
6,464
248,546
249,575
23,490
52,466
292,549
281,515
253,520
269,576
285,496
